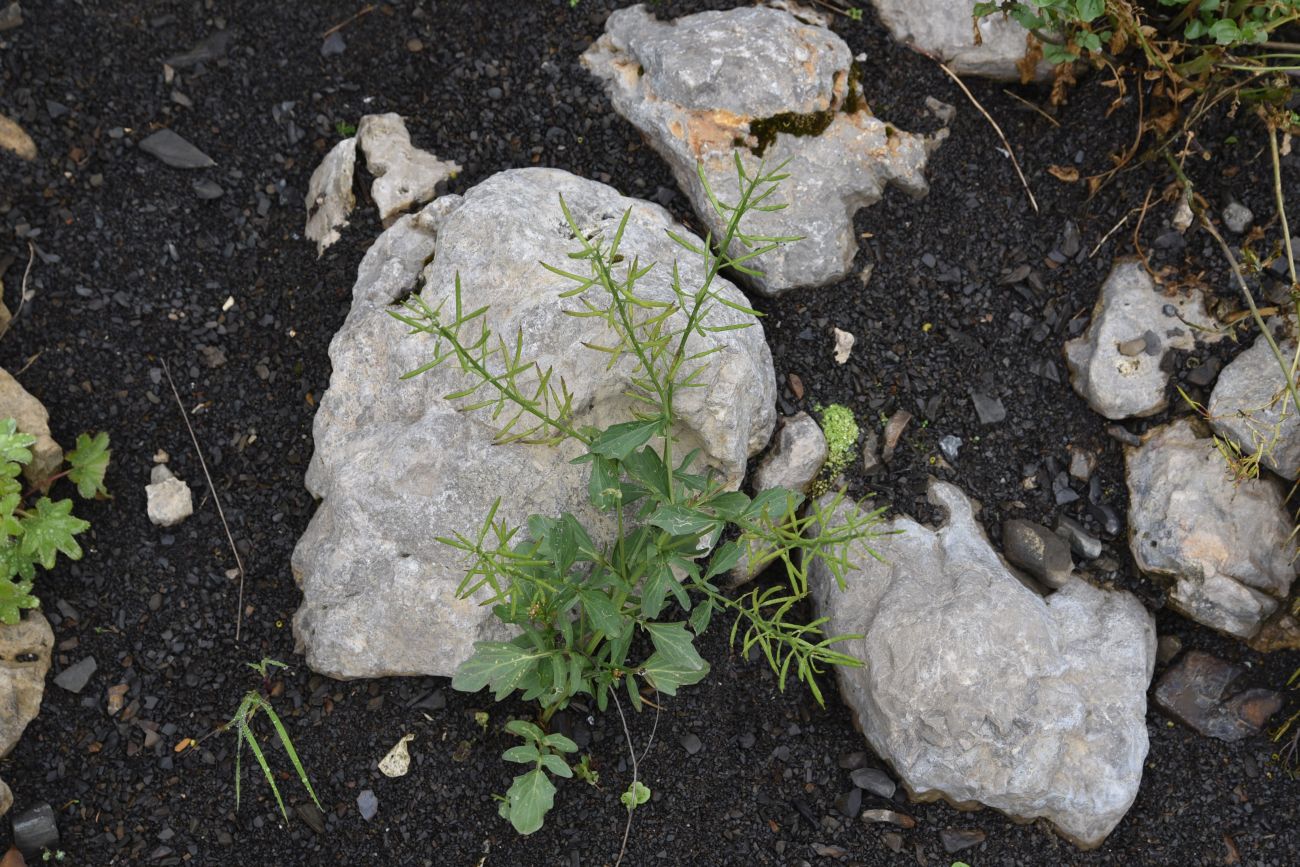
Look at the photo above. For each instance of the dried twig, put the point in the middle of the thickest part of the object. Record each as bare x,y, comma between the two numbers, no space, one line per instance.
1020,99
1010,153
337,27
239,615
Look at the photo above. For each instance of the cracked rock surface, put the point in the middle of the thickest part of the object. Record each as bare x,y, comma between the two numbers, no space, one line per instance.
396,465
786,92
977,690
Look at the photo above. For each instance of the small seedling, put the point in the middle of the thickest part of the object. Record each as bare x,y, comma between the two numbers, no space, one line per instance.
35,533
584,771
242,723
533,794
841,430
345,129
636,795
481,719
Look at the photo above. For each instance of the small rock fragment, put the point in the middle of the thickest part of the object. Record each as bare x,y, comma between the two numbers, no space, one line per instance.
329,195
989,409
942,110
1237,217
797,458
75,677
956,839
367,804
398,760
175,151
11,16
691,743
1038,551
893,430
333,45
207,189
311,815
210,49
871,453
843,345
875,781
1082,463
889,816
15,139
1167,648
949,446
116,698
1198,692
850,803
36,831
1081,541
170,500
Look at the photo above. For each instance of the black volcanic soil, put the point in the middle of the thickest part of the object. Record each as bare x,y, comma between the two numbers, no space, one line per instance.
133,269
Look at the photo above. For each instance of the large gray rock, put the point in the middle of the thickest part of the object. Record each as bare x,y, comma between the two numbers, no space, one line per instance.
978,690
1250,406
24,661
396,465
710,85
944,30
30,414
1225,545
1115,364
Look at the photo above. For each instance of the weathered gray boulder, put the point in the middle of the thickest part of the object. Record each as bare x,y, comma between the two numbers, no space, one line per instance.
1225,545
1115,364
396,465
1250,405
18,404
980,691
329,194
797,457
24,661
769,86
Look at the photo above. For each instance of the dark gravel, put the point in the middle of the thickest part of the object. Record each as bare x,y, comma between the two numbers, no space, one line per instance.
139,263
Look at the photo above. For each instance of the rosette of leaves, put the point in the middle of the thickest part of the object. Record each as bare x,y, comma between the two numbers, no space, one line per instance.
33,532
621,616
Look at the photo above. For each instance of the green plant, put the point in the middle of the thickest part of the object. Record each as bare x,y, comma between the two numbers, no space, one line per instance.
345,129
580,605
841,429
250,705
584,771
34,533
637,794
533,793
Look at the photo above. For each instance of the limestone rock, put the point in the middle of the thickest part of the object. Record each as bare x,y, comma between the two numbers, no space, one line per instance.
797,457
16,403
404,174
944,29
1115,364
1247,406
768,86
6,798
329,195
978,690
396,465
24,660
1225,545
169,498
